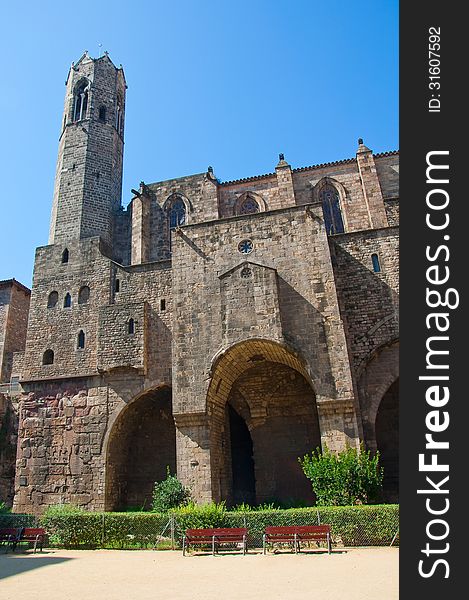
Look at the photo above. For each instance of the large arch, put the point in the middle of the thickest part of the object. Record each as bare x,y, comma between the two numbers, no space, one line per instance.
387,441
141,445
378,388
263,417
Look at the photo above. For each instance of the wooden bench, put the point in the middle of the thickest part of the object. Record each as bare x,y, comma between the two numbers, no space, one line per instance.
296,534
32,535
215,537
9,536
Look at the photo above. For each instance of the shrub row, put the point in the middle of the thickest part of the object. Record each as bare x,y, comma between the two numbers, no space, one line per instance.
366,525
363,525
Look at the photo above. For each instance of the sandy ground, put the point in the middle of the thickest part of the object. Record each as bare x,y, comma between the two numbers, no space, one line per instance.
357,573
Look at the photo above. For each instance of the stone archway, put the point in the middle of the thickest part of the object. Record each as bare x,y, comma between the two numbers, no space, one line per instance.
142,444
387,441
378,388
263,417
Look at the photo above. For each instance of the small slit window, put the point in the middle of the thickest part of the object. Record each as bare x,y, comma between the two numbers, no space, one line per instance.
162,304
102,114
83,295
376,263
67,300
81,340
65,256
48,357
131,326
52,299
117,285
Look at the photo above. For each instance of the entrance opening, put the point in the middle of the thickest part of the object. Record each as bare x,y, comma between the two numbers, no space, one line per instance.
387,441
141,447
242,462
270,422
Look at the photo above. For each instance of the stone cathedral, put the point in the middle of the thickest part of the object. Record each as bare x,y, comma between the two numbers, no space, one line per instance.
221,329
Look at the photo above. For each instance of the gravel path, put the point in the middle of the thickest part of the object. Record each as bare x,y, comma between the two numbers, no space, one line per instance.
353,574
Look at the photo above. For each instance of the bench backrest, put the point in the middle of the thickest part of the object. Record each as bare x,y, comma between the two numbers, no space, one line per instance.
32,532
8,532
319,530
217,531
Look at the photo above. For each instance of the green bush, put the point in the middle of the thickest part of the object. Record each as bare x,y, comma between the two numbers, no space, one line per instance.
169,493
349,477
71,527
200,516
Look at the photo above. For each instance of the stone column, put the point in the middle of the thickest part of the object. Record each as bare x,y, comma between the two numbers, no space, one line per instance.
286,192
140,227
371,187
193,454
338,424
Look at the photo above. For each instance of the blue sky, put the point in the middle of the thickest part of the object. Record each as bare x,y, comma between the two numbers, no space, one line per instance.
227,84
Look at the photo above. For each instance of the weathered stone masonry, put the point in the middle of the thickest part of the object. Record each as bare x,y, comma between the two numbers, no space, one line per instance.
220,329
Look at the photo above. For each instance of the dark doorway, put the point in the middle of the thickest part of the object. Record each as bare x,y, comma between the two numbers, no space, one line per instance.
242,462
273,421
141,447
387,441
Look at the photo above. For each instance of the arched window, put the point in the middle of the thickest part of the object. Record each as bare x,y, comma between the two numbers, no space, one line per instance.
131,326
248,206
65,256
80,102
81,340
376,264
331,210
83,295
48,357
177,213
52,299
119,115
67,300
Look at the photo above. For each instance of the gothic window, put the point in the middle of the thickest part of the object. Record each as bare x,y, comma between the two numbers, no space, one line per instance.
65,256
248,206
131,326
177,214
80,102
119,115
48,357
52,299
376,264
331,210
67,300
102,114
83,295
81,340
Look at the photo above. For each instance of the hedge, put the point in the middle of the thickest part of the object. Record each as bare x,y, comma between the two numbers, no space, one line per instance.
365,525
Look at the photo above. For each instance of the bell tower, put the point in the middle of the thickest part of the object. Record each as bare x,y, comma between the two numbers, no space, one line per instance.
88,181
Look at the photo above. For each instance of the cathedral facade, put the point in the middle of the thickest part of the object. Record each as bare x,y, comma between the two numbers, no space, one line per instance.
221,329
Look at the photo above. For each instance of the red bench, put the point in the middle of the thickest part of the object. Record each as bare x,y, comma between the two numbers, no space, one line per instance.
297,534
32,535
9,537
215,537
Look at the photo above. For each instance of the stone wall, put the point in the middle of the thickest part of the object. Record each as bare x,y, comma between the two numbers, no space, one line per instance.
8,444
14,309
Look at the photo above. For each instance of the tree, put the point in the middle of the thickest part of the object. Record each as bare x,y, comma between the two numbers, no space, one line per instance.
169,493
349,477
